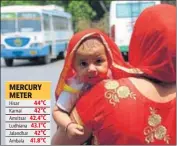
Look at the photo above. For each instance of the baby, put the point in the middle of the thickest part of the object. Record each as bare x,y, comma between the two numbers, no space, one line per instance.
91,65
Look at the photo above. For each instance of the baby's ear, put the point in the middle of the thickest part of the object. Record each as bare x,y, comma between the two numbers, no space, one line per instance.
73,67
71,73
74,72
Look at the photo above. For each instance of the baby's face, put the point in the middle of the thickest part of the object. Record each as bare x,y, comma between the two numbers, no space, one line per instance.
90,62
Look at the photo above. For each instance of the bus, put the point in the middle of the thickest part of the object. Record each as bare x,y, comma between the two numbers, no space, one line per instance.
36,33
123,15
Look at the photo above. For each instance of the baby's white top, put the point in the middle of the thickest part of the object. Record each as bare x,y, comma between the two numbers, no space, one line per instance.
67,100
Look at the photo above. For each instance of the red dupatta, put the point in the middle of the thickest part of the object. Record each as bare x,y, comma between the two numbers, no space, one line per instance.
114,54
153,43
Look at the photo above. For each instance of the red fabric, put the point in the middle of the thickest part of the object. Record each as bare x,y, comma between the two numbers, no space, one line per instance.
152,50
153,43
126,121
114,51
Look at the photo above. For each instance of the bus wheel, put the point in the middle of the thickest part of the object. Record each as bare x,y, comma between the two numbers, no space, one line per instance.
8,62
61,55
46,59
125,56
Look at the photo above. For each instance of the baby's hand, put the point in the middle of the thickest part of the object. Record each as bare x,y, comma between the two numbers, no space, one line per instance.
74,130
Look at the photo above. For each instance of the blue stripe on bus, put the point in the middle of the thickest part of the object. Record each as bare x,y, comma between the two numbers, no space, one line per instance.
25,53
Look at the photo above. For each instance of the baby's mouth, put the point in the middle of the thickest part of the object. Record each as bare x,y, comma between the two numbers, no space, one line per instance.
92,77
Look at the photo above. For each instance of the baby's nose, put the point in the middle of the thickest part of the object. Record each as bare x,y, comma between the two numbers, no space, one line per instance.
91,68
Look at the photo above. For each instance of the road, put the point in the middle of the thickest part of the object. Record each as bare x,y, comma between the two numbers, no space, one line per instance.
24,70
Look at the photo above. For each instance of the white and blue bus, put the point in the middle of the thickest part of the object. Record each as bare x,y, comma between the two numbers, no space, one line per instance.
36,33
123,15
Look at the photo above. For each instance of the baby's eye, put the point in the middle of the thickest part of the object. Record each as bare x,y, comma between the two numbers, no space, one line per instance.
98,61
83,64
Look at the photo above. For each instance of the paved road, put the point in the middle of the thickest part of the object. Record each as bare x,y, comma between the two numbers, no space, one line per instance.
24,70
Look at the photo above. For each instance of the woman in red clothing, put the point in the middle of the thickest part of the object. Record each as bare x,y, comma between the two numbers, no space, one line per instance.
139,110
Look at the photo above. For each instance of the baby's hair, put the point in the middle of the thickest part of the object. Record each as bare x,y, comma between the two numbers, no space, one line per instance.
94,41
91,42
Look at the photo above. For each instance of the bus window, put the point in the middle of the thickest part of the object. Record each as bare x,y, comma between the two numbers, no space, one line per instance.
120,11
60,23
146,4
46,22
135,9
132,9
29,22
8,22
64,23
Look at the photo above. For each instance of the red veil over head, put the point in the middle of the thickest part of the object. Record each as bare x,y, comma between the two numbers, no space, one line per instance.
153,43
113,51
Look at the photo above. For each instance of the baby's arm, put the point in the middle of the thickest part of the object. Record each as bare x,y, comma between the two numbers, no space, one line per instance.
63,120
60,137
61,117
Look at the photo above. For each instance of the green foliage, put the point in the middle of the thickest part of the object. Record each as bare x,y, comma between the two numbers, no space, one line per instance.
52,2
81,10
107,3
35,2
19,2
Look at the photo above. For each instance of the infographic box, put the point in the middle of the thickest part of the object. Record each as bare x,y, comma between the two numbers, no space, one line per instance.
27,113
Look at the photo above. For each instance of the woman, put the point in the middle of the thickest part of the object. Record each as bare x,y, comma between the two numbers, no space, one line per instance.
137,110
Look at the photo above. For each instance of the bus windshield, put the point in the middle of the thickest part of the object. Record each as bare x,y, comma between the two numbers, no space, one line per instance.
8,22
29,22
132,9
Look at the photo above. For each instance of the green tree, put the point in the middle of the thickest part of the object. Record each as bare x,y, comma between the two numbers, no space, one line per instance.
19,2
80,11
